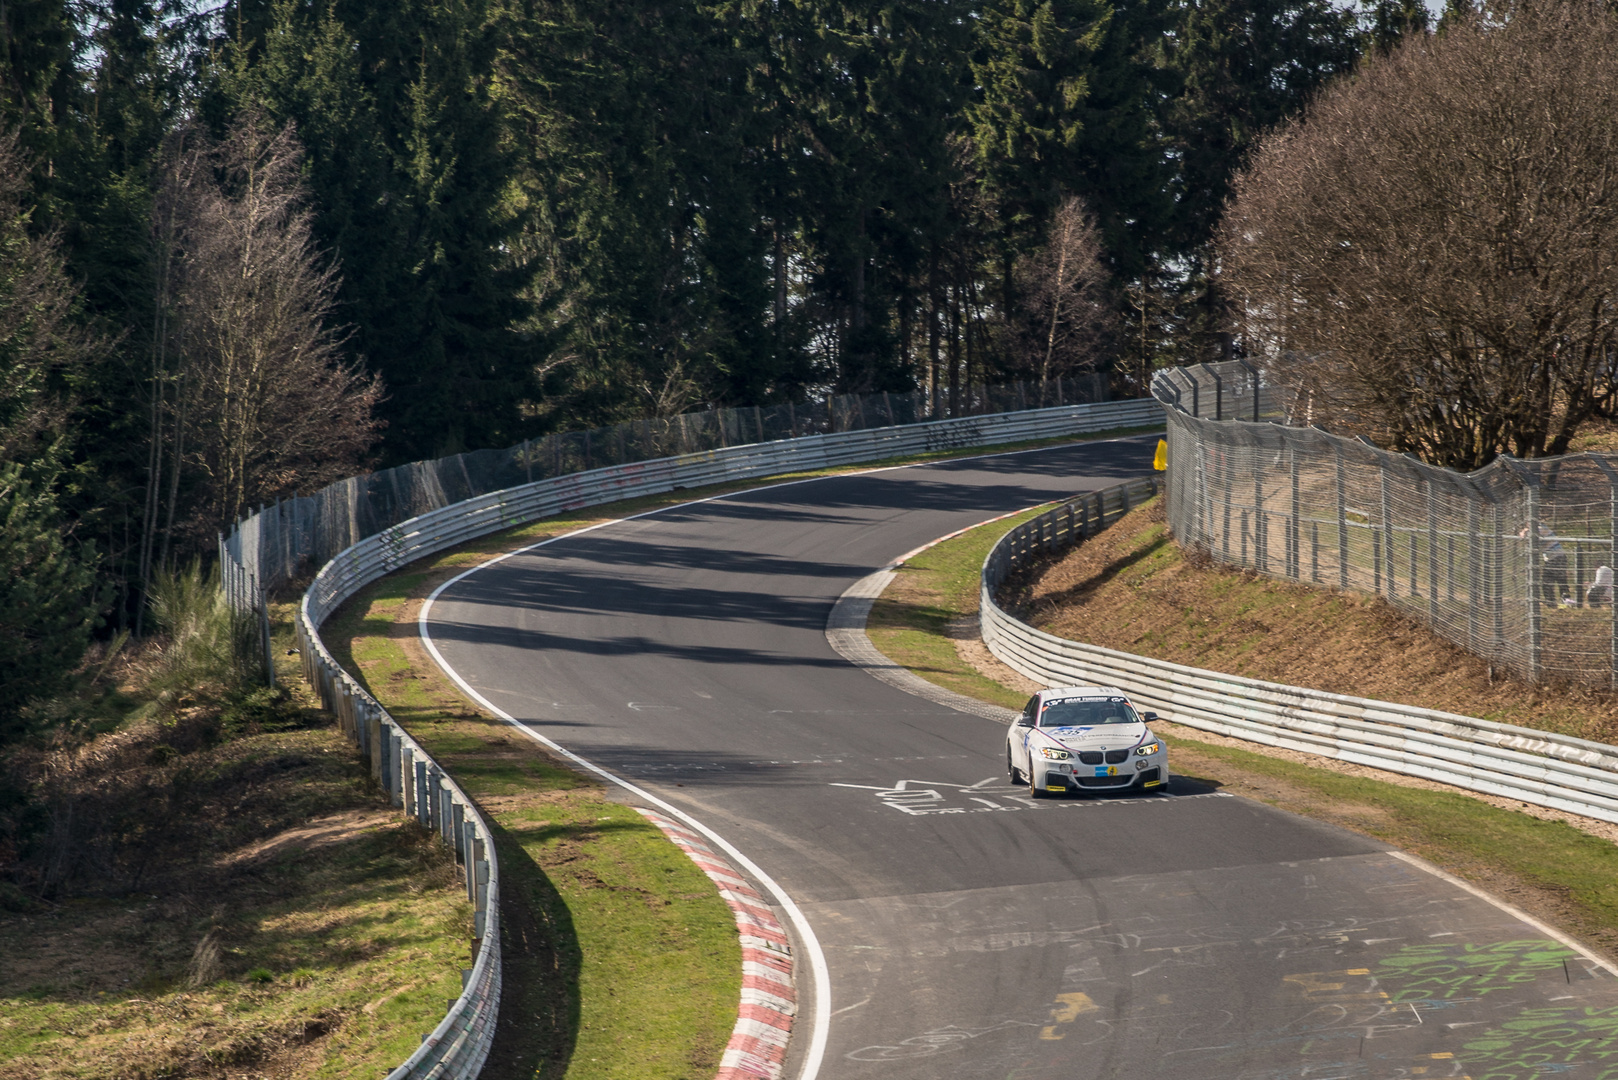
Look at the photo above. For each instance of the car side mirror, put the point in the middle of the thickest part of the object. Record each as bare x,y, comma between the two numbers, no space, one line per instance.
1025,720
1148,717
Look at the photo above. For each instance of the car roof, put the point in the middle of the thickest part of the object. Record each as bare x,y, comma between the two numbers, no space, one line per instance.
1082,691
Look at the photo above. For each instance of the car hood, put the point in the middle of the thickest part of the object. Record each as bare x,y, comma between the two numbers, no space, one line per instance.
1104,737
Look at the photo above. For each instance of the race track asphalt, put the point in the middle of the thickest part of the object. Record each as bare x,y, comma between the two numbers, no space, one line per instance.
971,932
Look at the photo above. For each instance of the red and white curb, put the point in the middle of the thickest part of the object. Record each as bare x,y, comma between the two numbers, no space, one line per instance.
758,1044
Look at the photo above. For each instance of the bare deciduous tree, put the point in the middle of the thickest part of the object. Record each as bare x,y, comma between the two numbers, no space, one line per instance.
264,402
1066,318
1430,254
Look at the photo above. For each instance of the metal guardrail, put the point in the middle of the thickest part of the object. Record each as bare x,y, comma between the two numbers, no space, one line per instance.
1538,767
416,784
458,1046
437,530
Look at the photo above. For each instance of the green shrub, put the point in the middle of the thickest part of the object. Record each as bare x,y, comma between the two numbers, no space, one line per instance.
210,655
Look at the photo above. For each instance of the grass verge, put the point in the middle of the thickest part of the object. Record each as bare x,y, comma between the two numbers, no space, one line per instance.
1551,869
932,603
620,959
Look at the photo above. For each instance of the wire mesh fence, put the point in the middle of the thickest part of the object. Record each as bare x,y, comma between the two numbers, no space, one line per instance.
294,536
1512,562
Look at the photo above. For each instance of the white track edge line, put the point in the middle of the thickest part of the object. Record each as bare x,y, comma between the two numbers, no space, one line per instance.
1551,932
820,1024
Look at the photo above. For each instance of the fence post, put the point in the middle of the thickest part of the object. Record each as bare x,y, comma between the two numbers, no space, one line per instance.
1497,571
1261,530
1612,561
1294,530
1225,485
1432,550
1342,516
1474,568
1386,528
1536,574
262,603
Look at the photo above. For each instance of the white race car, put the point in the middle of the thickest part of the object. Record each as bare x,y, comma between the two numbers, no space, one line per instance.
1085,738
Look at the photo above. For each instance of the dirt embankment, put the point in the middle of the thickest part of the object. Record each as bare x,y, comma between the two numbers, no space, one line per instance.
1131,588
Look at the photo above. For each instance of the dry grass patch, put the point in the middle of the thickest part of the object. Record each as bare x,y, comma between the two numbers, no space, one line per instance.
262,959
1129,588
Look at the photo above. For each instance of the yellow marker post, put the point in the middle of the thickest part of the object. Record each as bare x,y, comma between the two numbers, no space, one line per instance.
1160,460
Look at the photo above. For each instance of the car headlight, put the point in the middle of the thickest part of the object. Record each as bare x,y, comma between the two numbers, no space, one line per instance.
1054,754
1149,748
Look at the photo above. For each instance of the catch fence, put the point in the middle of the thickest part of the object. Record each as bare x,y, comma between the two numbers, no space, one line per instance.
1511,562
293,537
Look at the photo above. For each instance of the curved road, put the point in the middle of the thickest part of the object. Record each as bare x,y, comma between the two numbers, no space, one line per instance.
971,932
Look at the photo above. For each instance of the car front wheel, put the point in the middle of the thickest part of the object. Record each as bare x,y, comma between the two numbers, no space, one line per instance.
1034,791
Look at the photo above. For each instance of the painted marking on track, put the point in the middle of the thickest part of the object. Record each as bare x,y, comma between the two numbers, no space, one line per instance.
1069,1007
921,801
649,767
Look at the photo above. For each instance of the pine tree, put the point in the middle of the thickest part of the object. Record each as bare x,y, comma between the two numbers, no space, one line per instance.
411,168
1067,107
48,600
1243,65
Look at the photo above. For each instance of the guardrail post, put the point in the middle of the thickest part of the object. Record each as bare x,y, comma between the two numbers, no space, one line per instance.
387,759
480,890
424,794
407,780
378,747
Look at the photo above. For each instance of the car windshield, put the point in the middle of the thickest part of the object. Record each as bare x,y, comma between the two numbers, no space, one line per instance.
1086,712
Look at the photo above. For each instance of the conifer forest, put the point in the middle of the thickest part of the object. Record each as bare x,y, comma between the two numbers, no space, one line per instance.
253,247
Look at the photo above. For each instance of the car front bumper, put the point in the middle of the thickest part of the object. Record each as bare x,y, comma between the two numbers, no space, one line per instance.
1139,773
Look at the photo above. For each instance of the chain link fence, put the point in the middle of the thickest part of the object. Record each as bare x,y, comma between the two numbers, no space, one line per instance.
1512,562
